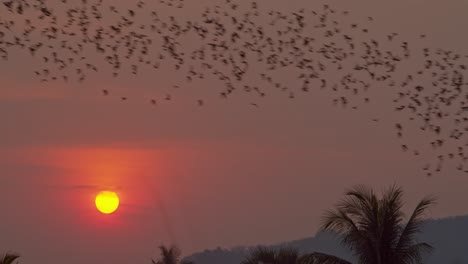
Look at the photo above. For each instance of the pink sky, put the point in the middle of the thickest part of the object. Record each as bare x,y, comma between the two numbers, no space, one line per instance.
222,175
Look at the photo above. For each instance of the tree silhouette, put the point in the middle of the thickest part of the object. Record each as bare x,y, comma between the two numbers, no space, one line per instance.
373,228
9,258
170,255
265,255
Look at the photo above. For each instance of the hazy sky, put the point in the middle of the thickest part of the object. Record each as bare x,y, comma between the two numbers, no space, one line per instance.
225,174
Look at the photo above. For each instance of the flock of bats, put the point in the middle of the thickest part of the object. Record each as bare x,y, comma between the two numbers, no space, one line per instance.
249,49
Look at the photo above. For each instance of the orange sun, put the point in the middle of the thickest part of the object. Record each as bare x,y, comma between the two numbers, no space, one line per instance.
107,202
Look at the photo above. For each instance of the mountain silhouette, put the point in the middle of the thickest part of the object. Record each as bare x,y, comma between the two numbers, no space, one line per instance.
449,236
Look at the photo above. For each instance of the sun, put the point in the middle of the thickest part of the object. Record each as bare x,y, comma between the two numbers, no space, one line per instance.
107,202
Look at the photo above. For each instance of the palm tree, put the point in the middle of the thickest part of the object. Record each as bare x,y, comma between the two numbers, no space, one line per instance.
169,255
265,255
374,230
9,258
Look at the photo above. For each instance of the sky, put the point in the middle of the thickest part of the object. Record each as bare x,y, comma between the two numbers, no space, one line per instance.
225,174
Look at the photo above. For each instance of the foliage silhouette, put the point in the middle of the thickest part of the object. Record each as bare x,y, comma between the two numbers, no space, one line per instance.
9,258
373,228
267,255
170,255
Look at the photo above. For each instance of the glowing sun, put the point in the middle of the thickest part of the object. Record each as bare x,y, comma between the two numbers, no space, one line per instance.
107,202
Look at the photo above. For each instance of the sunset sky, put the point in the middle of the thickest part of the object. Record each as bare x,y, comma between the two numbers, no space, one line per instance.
225,174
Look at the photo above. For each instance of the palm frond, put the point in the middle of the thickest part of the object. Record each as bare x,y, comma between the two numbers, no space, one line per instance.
339,222
168,255
362,205
414,253
356,220
414,224
9,258
321,258
391,218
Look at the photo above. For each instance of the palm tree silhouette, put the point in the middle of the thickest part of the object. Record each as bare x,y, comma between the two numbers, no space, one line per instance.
170,255
9,258
373,229
265,255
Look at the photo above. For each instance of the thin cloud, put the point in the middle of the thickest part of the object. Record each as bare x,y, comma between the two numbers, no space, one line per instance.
83,187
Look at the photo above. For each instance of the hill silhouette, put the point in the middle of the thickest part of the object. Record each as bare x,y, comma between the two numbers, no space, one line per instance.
449,236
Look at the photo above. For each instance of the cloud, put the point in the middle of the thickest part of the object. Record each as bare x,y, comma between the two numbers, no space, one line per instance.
83,187
74,187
